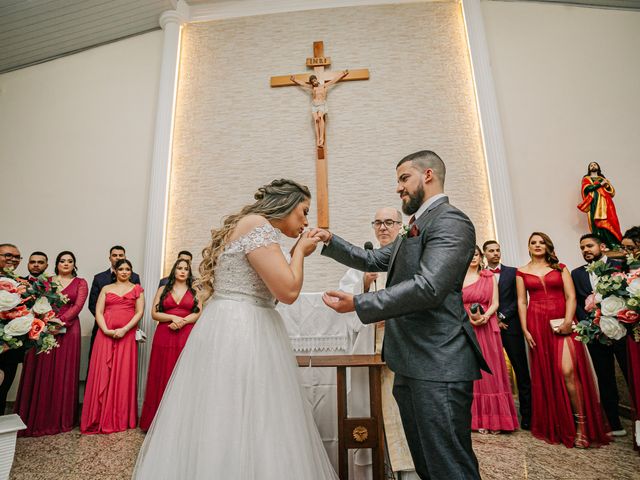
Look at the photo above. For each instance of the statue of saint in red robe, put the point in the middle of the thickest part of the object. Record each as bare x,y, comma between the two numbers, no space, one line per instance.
597,203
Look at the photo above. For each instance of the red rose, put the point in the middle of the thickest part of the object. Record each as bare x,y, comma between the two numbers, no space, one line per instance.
628,316
7,286
48,316
596,319
19,311
36,328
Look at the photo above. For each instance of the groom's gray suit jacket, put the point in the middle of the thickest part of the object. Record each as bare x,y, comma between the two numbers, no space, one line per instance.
428,335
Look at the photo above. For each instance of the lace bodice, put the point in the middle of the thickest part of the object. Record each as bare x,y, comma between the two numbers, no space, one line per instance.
234,275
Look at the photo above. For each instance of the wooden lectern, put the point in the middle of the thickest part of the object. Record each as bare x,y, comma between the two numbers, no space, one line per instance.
367,432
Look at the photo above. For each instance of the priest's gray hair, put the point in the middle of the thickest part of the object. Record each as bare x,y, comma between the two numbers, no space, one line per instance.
425,159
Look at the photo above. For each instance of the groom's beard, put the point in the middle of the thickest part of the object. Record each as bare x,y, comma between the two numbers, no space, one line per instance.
412,205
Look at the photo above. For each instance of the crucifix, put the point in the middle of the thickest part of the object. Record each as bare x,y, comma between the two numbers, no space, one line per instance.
318,84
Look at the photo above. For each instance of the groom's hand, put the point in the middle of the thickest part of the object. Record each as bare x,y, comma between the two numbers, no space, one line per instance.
323,235
341,302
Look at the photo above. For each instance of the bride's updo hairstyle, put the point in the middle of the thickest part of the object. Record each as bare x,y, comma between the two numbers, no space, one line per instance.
274,200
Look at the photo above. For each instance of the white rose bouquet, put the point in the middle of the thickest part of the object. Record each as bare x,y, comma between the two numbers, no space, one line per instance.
614,307
28,312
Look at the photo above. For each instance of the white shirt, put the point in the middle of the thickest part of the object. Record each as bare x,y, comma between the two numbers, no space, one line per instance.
497,267
592,276
423,208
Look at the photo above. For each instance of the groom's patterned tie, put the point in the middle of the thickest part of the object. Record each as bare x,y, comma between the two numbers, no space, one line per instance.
414,231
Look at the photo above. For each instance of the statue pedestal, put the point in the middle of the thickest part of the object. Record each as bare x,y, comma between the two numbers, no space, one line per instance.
9,427
361,432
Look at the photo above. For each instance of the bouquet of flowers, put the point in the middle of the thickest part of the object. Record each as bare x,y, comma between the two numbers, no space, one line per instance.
28,312
614,307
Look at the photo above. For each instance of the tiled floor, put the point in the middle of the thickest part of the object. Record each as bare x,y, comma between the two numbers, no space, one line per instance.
72,456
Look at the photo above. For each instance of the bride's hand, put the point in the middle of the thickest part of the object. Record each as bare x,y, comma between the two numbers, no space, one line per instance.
306,244
323,235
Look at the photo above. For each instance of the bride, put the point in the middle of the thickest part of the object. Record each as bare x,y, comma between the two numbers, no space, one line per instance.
234,407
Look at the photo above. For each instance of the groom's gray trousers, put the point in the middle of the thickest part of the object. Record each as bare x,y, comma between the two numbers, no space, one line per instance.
439,437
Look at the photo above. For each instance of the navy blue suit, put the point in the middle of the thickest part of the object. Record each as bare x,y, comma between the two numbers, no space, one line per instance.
513,339
100,281
603,356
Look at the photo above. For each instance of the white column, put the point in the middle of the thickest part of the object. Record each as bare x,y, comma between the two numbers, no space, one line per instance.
495,154
159,186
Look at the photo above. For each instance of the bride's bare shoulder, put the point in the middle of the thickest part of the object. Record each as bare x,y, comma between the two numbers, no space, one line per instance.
246,224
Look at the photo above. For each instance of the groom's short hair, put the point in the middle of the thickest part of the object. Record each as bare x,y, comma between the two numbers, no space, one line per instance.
427,159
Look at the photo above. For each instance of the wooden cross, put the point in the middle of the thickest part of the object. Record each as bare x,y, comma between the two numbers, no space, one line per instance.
318,62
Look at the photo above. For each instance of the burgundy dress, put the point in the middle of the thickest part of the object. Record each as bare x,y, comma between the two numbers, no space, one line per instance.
110,403
552,418
166,348
492,407
47,400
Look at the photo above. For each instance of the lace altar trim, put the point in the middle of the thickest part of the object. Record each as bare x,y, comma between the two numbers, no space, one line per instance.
318,344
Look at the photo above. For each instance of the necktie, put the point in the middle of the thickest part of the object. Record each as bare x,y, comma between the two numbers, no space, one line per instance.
413,231
495,270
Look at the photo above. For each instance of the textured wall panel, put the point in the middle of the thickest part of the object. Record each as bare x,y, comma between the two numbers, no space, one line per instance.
233,132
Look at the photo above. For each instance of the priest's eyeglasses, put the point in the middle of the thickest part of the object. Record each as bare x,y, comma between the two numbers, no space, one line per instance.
377,224
9,256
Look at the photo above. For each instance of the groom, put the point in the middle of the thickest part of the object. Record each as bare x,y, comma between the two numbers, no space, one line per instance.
429,342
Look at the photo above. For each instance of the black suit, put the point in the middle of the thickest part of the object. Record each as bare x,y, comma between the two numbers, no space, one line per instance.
602,355
513,339
100,281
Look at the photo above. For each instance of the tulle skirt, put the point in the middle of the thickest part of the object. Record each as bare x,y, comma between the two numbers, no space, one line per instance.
234,407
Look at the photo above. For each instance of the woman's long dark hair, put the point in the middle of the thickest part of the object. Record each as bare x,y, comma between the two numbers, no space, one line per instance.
550,250
60,255
172,280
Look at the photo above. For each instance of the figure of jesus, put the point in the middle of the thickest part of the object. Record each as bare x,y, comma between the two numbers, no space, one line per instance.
319,101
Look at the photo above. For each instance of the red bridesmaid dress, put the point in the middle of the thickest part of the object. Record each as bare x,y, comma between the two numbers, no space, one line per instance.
552,418
47,400
165,350
110,403
493,407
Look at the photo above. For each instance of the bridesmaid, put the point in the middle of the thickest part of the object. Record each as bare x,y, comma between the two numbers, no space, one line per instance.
565,403
110,403
493,409
176,309
47,398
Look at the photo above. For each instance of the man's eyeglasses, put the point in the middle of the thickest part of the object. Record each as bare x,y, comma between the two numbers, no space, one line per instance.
387,223
9,256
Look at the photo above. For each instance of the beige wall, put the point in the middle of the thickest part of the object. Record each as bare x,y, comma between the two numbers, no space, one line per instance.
567,86
75,148
233,132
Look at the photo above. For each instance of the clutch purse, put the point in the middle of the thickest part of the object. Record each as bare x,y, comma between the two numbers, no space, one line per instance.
556,323
475,308
141,337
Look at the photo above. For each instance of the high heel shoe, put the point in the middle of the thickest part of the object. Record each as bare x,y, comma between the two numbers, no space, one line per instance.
580,440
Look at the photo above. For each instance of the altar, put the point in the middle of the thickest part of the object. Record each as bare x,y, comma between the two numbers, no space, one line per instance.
315,329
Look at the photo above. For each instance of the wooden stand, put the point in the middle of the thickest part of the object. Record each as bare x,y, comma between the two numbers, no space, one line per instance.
365,432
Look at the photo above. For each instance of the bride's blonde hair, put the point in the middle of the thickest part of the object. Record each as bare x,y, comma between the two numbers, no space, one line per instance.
274,200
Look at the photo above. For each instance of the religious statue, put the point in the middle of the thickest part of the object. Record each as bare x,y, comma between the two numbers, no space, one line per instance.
319,101
597,203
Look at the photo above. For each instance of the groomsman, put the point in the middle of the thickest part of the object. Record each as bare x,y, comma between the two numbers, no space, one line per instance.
102,279
510,328
9,360
601,355
37,265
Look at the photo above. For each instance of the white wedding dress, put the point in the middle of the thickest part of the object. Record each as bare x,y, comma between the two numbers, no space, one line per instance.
234,408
